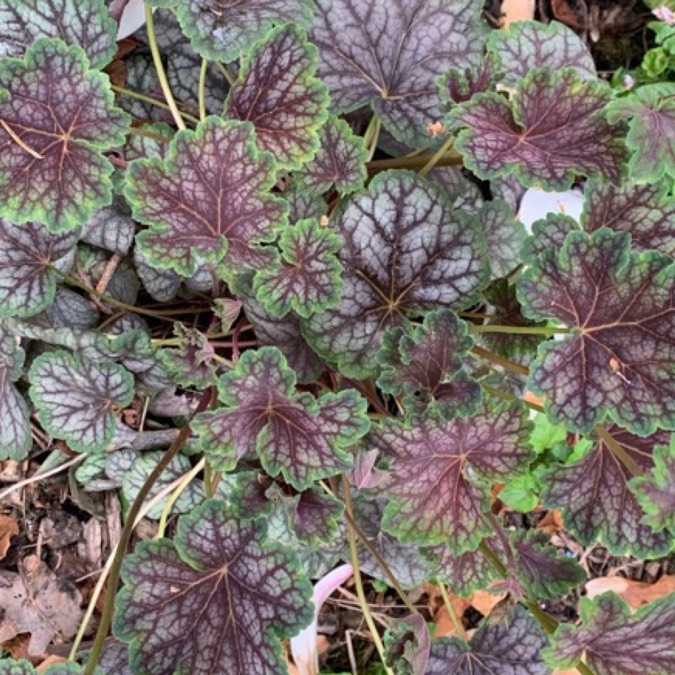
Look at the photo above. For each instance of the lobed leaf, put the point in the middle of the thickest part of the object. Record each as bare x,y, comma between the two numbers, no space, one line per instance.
405,251
617,362
390,55
464,573
456,86
75,398
407,644
543,134
307,278
58,118
315,517
301,437
277,91
217,599
209,198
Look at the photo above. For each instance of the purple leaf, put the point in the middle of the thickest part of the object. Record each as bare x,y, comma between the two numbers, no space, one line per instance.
15,430
407,644
543,134
457,86
621,306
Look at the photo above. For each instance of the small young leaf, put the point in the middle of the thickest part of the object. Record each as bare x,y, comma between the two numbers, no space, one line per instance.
456,86
543,134
620,305
510,647
407,643
276,90
389,55
308,278
15,434
58,118
75,398
616,642
220,30
217,599
340,161
406,251
651,134
521,493
434,492
85,23
427,367
301,437
191,363
209,197
531,44
27,280
23,667
596,501
656,492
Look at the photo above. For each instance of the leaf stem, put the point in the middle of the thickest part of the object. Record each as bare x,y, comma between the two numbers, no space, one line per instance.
518,330
618,450
185,481
507,396
434,159
125,537
150,100
159,67
202,89
487,355
359,584
451,613
451,159
227,73
372,135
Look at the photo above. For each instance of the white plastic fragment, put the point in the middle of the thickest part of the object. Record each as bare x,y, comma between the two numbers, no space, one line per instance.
536,203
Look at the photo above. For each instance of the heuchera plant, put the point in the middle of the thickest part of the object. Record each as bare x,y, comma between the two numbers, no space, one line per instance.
289,236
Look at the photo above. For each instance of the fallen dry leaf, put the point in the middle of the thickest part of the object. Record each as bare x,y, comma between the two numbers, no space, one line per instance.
516,10
484,602
551,523
444,624
50,661
635,593
8,529
40,603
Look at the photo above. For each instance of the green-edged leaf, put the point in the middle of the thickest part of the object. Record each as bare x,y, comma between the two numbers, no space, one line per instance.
301,437
137,475
307,278
161,284
427,367
27,280
504,236
541,572
651,133
149,140
543,133
511,647
340,161
23,667
521,493
208,198
595,499
531,44
315,517
75,398
217,599
15,434
303,204
390,55
647,212
618,361
456,86
616,642
407,643
434,492
656,491
191,363
406,250
85,23
58,118
221,30
276,90
464,573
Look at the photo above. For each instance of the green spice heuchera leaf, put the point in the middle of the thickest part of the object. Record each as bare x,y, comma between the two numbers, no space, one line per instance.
276,90
57,118
543,134
217,599
618,362
390,55
340,161
15,434
427,367
617,642
85,23
457,86
531,44
504,236
511,647
27,281
75,398
407,643
208,198
23,667
315,516
597,504
434,492
651,134
307,277
406,251
656,492
301,437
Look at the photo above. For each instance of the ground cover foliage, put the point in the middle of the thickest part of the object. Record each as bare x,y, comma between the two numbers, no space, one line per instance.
263,276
